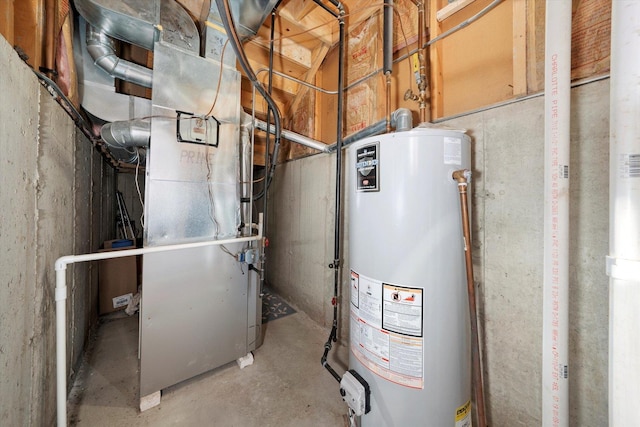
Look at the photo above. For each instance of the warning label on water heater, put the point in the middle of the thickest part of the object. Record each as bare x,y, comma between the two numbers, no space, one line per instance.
386,330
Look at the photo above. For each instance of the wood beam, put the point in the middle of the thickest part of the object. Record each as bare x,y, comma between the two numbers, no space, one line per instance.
435,62
519,48
323,28
285,65
293,51
7,21
319,55
29,30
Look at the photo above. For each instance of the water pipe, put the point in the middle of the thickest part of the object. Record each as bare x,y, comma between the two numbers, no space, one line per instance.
623,262
463,177
555,294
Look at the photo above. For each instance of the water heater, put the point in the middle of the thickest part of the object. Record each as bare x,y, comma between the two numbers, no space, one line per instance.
409,331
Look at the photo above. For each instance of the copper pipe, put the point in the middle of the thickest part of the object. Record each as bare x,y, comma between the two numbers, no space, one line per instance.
388,106
422,86
462,177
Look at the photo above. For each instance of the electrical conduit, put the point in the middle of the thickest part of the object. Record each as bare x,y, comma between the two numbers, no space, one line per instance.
555,329
623,262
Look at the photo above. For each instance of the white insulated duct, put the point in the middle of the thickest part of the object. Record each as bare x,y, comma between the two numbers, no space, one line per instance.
555,329
623,262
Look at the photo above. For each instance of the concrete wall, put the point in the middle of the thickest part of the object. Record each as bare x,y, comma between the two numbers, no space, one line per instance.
508,143
52,201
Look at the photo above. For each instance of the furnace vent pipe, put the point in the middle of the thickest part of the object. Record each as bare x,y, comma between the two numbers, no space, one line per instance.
101,47
555,293
623,262
130,133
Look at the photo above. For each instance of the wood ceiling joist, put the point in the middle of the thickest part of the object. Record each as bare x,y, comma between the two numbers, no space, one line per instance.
319,55
293,51
246,98
260,55
306,40
309,28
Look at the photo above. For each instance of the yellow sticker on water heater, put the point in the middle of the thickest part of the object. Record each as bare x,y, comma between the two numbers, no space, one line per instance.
463,415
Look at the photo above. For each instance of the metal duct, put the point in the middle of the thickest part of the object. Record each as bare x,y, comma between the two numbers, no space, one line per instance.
247,14
134,21
402,119
131,133
142,22
102,49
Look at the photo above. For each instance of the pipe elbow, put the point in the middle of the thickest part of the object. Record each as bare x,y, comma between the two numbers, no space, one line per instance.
462,176
101,48
132,133
402,120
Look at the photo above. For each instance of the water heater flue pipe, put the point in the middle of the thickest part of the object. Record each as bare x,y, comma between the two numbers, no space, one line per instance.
463,177
101,47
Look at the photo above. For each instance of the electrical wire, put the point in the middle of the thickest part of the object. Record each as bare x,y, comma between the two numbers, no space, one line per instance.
139,192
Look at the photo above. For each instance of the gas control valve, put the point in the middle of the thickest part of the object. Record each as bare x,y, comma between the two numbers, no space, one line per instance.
355,391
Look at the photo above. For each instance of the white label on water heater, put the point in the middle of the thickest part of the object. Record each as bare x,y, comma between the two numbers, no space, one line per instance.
370,301
387,330
452,151
402,310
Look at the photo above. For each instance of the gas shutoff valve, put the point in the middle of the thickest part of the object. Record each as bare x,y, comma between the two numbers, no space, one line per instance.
355,391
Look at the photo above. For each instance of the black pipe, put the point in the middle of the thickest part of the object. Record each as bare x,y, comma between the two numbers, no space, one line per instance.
387,37
325,7
263,264
229,25
333,335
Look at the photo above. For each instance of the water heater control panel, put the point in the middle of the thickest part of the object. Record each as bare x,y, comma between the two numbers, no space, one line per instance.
355,391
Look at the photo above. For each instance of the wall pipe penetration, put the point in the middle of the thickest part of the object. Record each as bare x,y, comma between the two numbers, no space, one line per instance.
555,316
61,298
623,262
101,47
463,177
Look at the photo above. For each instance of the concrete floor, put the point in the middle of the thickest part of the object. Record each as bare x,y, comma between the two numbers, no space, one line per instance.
286,385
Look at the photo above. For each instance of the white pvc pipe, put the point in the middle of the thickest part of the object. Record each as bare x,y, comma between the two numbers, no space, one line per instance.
623,262
61,298
555,330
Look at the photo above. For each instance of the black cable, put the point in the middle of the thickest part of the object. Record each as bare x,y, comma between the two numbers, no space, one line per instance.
333,335
229,25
